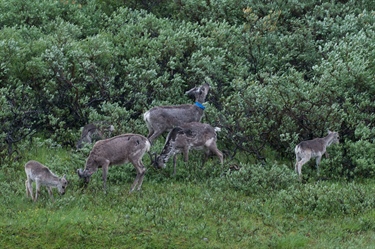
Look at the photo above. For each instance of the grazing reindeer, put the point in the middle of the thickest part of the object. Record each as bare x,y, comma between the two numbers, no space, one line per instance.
313,149
93,132
193,135
42,176
114,151
163,118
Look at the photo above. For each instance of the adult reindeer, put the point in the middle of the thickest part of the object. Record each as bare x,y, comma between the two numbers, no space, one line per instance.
313,149
163,118
93,132
188,136
114,151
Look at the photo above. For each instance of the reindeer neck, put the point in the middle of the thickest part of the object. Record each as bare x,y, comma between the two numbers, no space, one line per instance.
55,180
200,105
200,98
91,166
168,151
329,139
166,156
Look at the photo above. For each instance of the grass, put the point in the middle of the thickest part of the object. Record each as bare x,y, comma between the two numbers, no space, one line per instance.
185,211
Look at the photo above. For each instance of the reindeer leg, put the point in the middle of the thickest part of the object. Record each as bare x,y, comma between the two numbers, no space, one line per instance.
218,153
139,178
142,175
185,152
49,189
299,170
327,155
300,164
150,133
317,164
296,165
29,189
154,135
205,157
135,181
105,172
37,190
174,163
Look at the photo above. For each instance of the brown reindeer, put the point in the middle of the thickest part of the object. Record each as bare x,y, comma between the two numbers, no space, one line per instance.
188,136
42,176
163,118
313,149
93,132
114,151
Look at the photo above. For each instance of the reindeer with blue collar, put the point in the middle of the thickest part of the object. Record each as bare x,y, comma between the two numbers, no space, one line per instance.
160,119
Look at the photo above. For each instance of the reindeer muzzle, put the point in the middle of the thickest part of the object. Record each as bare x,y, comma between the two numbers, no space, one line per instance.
156,165
84,174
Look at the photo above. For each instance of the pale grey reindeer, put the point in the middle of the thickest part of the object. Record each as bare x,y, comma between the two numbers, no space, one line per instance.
42,176
163,118
313,149
93,132
181,139
114,151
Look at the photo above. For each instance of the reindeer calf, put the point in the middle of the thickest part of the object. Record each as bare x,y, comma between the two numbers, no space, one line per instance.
193,135
42,176
313,149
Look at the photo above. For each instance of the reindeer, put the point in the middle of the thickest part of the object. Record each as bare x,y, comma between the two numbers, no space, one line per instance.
163,118
193,135
42,176
114,151
313,149
94,132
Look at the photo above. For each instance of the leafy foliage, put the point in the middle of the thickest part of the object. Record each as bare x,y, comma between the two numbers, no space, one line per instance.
218,210
280,72
260,179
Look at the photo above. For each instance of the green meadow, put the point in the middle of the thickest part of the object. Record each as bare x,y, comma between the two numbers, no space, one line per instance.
210,207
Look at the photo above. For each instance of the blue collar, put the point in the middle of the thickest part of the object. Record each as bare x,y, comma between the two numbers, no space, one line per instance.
200,105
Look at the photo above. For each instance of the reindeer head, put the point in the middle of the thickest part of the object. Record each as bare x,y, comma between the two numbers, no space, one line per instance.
156,161
85,174
199,93
335,137
159,162
92,165
63,183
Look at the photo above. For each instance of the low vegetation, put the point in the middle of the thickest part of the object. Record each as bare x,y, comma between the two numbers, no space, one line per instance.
258,206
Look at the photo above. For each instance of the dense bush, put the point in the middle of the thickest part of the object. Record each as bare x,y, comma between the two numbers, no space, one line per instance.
259,179
280,72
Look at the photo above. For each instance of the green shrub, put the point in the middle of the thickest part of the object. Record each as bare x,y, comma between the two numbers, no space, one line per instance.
326,199
359,151
260,179
280,72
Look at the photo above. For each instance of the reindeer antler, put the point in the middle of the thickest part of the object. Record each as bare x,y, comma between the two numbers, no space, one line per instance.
153,157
